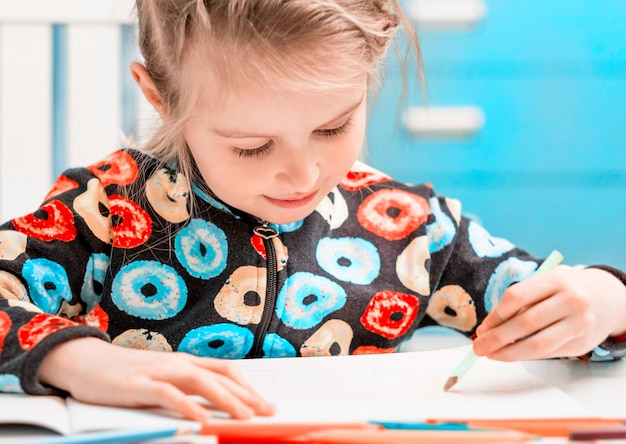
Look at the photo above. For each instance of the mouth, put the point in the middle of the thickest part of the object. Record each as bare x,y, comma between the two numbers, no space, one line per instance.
293,202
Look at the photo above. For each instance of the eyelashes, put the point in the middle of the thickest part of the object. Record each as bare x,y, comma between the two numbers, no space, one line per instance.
335,132
328,133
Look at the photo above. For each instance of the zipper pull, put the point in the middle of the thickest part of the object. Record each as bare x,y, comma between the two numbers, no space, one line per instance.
265,231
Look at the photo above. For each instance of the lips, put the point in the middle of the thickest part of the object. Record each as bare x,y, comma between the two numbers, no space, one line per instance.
293,202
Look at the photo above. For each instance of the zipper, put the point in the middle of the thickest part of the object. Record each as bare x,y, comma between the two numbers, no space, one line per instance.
267,233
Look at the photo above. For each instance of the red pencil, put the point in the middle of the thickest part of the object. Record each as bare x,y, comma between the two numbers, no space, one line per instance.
591,434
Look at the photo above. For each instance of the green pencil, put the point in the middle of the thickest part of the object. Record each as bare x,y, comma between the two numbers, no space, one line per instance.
551,261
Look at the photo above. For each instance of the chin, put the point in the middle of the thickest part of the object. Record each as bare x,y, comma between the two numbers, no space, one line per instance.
287,217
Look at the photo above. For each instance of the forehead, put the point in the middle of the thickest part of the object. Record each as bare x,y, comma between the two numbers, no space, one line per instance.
214,76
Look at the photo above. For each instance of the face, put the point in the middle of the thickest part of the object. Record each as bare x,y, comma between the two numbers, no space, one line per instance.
276,154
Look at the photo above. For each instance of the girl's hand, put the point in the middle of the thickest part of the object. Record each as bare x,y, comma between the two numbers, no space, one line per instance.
560,313
97,372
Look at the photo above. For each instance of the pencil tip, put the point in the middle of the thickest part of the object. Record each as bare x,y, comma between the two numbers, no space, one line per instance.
450,382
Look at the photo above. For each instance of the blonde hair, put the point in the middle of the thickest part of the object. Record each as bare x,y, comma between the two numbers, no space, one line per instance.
300,44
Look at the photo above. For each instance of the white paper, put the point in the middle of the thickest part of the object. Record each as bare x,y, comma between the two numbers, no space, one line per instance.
404,387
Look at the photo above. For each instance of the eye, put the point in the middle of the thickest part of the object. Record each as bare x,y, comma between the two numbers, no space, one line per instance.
253,152
335,132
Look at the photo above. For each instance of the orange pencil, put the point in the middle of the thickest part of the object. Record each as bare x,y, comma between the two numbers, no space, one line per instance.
542,426
393,436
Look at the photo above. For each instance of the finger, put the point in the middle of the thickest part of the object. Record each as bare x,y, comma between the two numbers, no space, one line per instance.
165,395
551,342
222,367
217,389
235,381
525,323
517,298
248,396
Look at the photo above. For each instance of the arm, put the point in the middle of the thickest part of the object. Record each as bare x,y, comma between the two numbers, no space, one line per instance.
98,372
565,312
52,263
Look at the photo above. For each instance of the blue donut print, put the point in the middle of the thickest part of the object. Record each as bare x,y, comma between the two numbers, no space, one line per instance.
226,341
440,232
212,201
276,347
287,228
48,284
149,290
506,273
306,298
93,283
10,384
484,244
201,247
350,259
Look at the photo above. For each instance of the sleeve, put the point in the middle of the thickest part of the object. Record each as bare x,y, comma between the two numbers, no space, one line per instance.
613,346
52,264
470,270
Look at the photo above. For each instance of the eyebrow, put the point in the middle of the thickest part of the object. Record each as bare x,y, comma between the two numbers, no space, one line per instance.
241,135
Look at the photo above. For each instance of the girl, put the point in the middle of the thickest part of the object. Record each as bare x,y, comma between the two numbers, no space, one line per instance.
246,228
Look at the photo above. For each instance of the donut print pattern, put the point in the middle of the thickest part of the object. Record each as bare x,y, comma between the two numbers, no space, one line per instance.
39,327
333,208
242,298
282,254
440,232
202,248
61,185
132,226
119,168
390,314
142,339
357,180
331,339
507,273
53,221
47,282
392,214
276,347
226,341
10,384
149,290
12,244
412,266
349,259
484,244
451,306
93,206
305,299
5,326
167,192
10,283
93,282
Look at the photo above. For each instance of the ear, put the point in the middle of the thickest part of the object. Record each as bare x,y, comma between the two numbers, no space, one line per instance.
146,84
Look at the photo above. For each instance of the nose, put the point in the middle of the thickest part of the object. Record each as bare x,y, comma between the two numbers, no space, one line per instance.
299,170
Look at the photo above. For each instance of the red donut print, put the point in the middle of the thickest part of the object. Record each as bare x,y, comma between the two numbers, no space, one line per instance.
132,226
5,326
40,326
390,313
117,168
259,246
372,350
392,214
357,180
53,221
61,185
95,318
